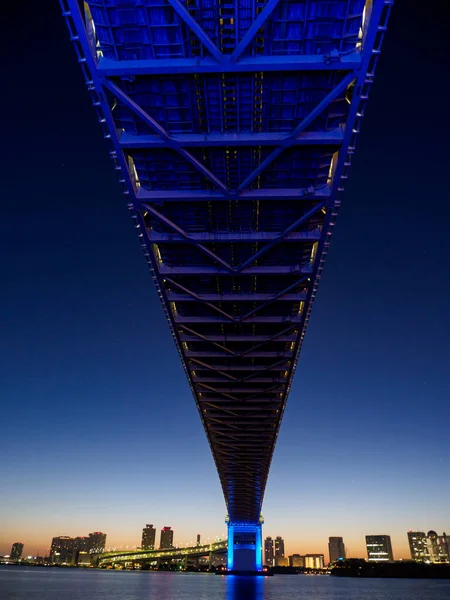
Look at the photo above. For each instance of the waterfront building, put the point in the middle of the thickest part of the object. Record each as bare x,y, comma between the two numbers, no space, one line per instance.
379,548
437,547
96,542
166,540
148,537
296,560
268,552
16,551
314,561
279,546
336,549
418,546
281,561
62,550
65,550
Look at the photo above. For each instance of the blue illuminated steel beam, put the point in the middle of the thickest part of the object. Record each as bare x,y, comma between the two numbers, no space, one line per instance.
206,140
173,66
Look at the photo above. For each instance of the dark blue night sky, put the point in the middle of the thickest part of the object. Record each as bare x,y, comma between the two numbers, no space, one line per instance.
98,427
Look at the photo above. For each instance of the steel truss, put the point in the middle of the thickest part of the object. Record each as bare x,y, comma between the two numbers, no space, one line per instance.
234,219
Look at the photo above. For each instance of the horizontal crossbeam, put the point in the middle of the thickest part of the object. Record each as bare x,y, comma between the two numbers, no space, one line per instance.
307,194
172,66
193,140
235,237
239,338
256,319
255,270
236,298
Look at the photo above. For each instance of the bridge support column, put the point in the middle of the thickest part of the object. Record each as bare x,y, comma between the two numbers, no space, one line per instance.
244,548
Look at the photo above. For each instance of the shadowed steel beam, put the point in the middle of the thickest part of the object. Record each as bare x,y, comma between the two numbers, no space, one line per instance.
250,297
172,66
184,14
279,238
254,28
145,117
206,140
277,366
186,237
273,195
198,336
197,297
252,354
316,111
258,270
233,237
261,319
240,338
274,299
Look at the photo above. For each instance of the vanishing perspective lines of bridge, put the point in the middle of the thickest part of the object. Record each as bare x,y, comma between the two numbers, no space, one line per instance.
232,126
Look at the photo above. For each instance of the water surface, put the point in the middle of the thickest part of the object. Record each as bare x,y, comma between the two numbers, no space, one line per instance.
21,583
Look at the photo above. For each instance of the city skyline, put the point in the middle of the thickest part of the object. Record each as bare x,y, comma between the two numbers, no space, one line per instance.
302,549
91,359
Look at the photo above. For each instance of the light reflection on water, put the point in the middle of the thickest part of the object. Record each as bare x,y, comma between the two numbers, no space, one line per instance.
21,583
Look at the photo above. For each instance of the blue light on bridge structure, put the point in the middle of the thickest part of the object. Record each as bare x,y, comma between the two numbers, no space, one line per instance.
232,126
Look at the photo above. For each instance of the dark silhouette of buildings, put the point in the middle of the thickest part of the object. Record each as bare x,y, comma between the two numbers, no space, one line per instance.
67,551
166,538
16,551
148,537
336,548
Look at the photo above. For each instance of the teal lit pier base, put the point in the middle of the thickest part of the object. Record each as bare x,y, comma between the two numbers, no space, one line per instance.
244,549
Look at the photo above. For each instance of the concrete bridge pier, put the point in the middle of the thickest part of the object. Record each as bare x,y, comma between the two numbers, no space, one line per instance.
244,548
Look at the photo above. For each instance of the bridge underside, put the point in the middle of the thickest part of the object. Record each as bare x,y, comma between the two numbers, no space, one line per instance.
232,126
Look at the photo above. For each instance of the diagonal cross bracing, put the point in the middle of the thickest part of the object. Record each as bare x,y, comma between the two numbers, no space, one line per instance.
234,181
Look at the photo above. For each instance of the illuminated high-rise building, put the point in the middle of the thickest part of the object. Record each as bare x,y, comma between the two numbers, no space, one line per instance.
279,547
418,545
166,540
148,537
268,552
96,542
16,551
437,547
198,539
379,548
336,548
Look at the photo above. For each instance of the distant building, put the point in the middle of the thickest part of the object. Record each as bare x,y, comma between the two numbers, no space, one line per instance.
148,537
295,560
66,550
279,546
418,546
437,547
314,561
281,561
16,551
96,542
198,539
336,549
379,548
62,550
268,552
166,540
